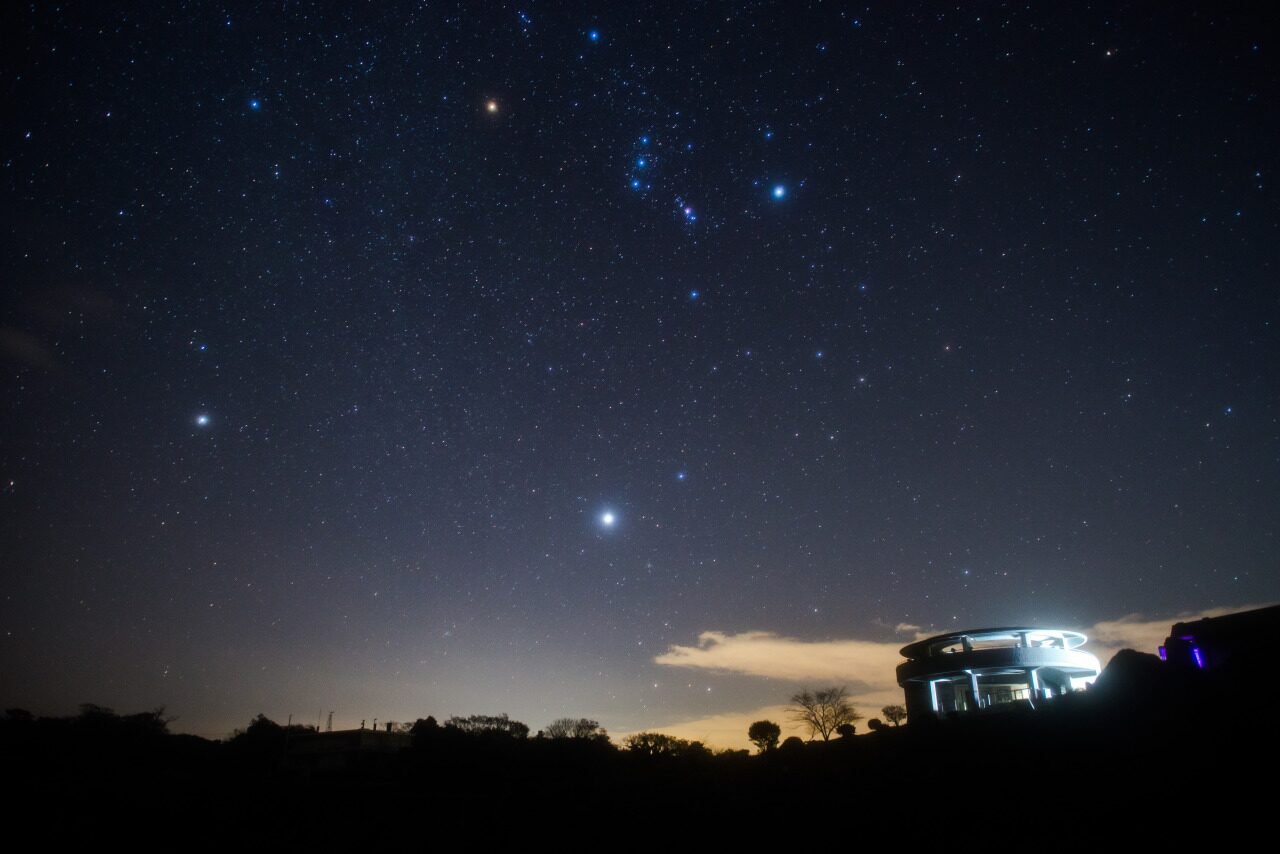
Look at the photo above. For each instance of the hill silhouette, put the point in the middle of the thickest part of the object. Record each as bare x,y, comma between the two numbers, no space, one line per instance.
1152,750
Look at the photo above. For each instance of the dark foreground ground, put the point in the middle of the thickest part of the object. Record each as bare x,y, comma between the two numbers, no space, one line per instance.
1151,756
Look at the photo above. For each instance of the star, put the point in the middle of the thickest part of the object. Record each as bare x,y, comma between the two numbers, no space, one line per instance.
491,106
202,420
608,519
255,104
779,191
594,35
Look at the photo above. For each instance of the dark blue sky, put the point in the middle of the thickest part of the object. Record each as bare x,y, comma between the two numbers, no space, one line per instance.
331,334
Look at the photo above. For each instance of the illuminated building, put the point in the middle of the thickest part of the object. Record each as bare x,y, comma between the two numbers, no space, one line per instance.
988,668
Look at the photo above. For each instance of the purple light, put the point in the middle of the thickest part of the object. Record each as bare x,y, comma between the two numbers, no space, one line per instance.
1198,656
1164,656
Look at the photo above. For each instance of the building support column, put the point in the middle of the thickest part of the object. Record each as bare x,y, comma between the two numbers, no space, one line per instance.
973,689
933,694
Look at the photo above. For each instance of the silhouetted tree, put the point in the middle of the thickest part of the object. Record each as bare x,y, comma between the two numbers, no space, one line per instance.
792,744
575,728
95,718
764,735
894,714
424,726
822,712
846,730
660,744
875,725
92,711
489,724
264,742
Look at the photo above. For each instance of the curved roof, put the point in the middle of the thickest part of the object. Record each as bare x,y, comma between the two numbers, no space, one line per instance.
929,646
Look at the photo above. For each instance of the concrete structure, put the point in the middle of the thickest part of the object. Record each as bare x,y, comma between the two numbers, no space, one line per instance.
987,668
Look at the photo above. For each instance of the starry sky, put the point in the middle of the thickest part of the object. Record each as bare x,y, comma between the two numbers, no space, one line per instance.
445,358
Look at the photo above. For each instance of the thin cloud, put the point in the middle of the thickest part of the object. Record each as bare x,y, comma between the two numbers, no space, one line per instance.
26,349
870,664
867,668
1145,634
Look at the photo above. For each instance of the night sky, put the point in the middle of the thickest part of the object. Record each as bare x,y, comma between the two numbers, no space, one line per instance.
405,359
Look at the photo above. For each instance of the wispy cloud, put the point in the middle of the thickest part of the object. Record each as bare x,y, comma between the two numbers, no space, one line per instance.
872,663
864,665
1143,633
868,668
26,349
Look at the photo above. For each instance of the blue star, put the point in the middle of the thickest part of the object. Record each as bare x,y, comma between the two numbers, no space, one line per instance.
608,519
641,163
681,475
594,35
635,183
693,295
644,140
202,420
779,191
255,104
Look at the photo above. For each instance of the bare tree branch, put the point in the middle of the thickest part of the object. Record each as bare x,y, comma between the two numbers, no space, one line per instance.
824,711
